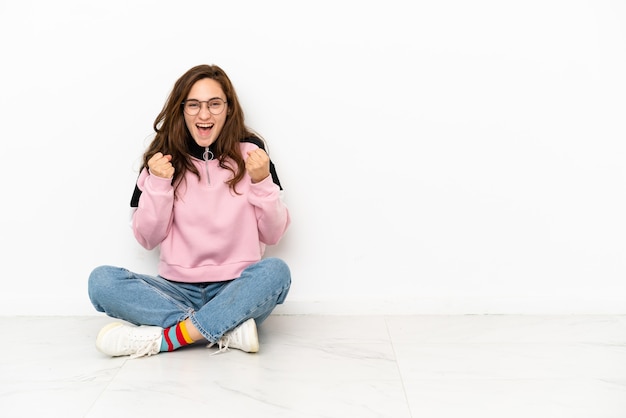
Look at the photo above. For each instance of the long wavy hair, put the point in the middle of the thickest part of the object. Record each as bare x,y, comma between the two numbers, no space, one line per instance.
172,133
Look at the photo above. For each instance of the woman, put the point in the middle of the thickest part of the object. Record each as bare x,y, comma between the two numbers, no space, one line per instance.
209,197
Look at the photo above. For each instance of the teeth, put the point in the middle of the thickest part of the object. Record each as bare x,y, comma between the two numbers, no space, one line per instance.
204,125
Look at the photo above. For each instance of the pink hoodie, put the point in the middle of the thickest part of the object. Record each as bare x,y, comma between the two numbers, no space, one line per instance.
208,233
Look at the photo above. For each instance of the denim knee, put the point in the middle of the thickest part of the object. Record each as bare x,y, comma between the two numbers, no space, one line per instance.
280,273
100,281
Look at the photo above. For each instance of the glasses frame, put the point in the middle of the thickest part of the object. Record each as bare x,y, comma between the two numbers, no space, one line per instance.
224,102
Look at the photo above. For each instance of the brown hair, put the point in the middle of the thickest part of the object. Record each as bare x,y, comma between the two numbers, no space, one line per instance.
172,133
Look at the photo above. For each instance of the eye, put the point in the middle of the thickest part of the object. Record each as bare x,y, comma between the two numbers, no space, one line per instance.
215,104
192,104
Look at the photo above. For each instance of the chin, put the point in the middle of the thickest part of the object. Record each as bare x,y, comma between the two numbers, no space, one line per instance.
204,142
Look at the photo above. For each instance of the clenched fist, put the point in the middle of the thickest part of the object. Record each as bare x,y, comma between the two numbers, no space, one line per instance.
160,165
258,165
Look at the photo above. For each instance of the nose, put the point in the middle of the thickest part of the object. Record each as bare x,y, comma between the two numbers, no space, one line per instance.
204,110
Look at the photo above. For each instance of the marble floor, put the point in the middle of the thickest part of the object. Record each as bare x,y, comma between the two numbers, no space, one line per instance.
328,366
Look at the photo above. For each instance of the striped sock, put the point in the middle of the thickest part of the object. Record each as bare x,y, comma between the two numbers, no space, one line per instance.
175,337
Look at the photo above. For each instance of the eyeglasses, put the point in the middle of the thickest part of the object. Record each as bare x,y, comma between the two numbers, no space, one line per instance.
215,106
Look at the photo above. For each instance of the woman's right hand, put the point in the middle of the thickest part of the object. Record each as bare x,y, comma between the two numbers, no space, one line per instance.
160,165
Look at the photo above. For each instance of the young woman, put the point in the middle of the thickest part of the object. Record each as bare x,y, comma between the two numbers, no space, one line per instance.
208,196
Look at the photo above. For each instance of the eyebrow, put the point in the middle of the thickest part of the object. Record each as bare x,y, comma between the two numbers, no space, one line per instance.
207,100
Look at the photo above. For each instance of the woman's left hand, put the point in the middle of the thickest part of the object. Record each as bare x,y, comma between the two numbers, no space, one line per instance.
258,165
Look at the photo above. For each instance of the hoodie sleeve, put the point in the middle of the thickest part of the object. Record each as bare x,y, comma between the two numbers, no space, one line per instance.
152,219
272,214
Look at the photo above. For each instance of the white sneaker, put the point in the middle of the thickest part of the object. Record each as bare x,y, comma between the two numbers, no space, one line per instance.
244,338
117,339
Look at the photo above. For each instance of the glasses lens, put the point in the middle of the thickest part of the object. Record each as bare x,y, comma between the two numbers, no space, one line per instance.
216,106
192,107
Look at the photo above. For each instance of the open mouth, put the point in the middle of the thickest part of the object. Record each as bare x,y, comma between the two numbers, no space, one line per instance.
204,128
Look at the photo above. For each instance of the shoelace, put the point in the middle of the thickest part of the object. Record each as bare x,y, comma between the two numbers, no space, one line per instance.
147,349
222,345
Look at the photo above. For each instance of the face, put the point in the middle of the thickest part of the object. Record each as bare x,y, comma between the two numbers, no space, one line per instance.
205,127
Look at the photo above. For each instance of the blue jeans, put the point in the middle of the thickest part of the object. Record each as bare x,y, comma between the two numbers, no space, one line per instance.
214,308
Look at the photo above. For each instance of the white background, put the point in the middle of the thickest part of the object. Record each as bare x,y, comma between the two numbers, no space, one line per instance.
437,156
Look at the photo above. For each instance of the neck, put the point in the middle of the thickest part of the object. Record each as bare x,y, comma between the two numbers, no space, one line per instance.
196,150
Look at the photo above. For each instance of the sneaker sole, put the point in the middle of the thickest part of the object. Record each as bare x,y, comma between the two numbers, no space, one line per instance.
102,333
